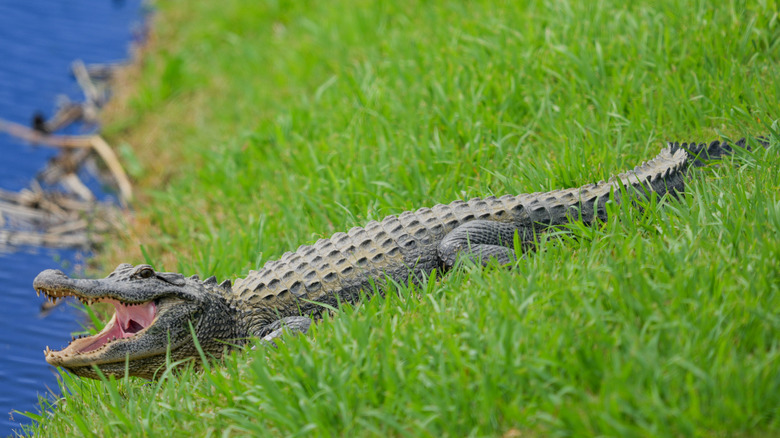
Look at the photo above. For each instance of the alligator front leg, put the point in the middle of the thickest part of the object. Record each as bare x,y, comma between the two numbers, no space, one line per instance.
294,324
481,241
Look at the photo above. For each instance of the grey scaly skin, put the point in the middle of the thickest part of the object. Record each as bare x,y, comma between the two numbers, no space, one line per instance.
154,310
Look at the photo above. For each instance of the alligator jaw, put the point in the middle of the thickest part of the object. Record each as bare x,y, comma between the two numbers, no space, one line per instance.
129,321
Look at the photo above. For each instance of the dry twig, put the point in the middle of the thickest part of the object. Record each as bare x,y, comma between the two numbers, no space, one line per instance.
95,142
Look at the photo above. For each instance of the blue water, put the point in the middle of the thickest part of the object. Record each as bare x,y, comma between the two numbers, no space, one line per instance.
38,41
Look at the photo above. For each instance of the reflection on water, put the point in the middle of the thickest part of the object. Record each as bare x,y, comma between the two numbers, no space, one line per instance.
38,41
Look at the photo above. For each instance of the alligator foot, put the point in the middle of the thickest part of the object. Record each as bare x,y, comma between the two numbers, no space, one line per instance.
293,324
480,241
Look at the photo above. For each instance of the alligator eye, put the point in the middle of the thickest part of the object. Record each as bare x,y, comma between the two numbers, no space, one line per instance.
146,273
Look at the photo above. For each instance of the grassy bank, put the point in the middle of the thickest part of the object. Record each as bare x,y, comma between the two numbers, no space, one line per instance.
258,126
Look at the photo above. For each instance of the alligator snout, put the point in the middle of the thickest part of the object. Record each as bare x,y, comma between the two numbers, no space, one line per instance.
51,280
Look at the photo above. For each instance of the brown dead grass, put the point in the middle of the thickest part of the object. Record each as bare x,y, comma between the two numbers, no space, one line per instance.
148,136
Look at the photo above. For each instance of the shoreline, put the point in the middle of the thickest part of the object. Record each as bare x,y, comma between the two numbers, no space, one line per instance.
127,130
55,60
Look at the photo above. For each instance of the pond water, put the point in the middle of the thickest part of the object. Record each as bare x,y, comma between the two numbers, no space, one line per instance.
38,41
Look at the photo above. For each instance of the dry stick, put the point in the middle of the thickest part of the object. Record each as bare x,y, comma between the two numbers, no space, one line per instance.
73,182
69,162
54,203
68,113
77,141
93,101
31,207
20,211
102,72
85,82
68,227
18,238
108,156
33,136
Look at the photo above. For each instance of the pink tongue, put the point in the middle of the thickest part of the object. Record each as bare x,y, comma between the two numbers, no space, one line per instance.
127,321
132,319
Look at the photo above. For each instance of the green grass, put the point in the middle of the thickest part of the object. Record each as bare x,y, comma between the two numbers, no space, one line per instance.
260,126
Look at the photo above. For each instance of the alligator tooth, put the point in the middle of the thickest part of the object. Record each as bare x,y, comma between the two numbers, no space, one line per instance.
37,292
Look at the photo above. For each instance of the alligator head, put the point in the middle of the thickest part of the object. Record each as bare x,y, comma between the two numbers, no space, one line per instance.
154,313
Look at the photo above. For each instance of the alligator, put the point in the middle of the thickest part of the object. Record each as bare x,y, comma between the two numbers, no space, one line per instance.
159,314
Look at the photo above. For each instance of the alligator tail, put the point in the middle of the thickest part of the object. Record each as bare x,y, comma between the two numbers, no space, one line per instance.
699,154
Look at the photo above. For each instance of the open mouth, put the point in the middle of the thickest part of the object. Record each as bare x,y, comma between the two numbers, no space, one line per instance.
128,320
